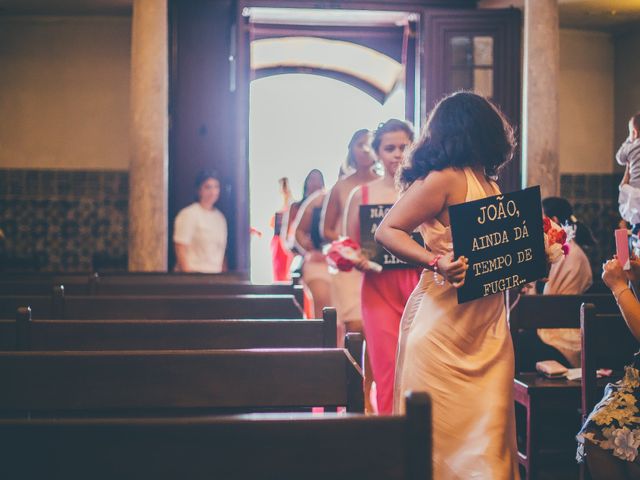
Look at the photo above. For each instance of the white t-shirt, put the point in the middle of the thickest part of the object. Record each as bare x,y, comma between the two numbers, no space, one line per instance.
204,232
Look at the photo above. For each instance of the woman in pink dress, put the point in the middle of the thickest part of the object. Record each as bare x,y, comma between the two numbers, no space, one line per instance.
383,294
460,353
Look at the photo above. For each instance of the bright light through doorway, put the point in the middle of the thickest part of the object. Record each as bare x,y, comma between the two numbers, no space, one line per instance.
299,122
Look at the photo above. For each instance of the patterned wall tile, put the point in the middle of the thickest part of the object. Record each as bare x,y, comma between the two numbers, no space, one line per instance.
595,203
64,221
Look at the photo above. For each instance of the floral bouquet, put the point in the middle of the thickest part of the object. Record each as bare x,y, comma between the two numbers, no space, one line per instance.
344,254
556,239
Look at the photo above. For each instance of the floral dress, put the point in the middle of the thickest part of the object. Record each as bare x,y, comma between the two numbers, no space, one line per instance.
614,423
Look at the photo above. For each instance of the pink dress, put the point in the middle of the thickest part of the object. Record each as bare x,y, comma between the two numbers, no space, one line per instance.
463,356
384,296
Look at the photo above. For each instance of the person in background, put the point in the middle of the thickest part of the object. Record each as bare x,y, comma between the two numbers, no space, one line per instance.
306,238
610,437
313,182
570,276
200,230
345,286
280,257
384,294
628,155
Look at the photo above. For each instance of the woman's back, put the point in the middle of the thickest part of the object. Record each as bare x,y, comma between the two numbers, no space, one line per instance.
463,355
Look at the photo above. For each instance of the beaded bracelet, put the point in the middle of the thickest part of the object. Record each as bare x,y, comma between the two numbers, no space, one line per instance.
438,279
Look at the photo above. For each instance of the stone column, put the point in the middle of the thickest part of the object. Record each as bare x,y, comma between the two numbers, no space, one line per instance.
541,118
148,172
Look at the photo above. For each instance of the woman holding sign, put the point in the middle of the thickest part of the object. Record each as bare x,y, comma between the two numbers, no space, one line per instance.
460,353
383,294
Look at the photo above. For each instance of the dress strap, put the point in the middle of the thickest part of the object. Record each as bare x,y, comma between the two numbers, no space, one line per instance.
364,190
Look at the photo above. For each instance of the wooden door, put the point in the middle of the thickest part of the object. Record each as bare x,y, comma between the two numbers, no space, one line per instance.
477,50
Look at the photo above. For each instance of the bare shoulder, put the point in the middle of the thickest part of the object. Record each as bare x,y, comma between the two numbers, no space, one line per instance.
447,179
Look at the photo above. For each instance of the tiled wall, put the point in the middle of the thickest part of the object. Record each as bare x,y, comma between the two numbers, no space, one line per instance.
57,220
595,201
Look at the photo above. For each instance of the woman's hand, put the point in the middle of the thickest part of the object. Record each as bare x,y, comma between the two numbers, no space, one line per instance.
633,274
613,276
453,271
363,264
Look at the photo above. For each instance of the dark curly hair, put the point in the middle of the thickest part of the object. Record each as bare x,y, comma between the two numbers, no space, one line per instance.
392,125
464,129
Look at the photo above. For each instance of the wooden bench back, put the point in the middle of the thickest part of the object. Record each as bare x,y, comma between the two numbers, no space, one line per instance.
531,312
55,335
41,283
135,382
152,307
607,342
257,446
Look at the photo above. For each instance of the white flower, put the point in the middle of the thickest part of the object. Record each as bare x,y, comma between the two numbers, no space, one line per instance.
623,441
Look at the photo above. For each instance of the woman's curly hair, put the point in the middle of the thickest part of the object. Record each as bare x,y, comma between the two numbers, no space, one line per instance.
464,129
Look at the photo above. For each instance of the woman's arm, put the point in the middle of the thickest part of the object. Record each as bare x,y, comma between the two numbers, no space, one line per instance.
616,279
301,231
330,213
351,224
181,257
424,200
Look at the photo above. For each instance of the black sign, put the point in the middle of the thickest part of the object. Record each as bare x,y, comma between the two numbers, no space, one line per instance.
503,239
370,218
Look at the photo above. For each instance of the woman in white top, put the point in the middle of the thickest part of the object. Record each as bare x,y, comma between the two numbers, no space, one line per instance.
200,232
572,275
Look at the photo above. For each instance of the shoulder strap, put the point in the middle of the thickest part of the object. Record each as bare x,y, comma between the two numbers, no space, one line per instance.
364,189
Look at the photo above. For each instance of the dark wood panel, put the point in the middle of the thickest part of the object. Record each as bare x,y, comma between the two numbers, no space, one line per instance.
202,107
261,446
130,381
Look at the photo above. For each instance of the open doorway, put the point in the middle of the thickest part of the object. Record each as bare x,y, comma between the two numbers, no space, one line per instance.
316,77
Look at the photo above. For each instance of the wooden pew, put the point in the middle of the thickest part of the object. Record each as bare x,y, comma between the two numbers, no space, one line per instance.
56,335
60,306
607,342
41,283
541,397
258,446
176,382
531,312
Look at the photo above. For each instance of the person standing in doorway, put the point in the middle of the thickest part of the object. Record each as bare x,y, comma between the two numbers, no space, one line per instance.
200,231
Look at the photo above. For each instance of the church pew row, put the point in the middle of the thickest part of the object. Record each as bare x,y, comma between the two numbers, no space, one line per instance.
238,447
41,283
176,382
540,398
531,312
169,284
151,307
55,335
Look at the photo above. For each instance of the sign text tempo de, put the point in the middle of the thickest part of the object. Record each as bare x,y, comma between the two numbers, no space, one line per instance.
502,238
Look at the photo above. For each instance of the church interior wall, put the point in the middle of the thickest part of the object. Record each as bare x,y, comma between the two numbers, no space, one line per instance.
64,141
